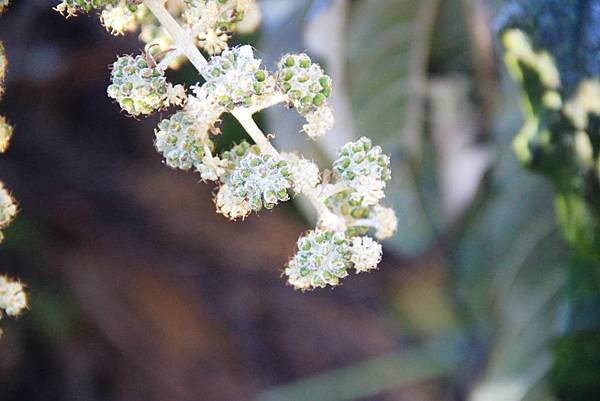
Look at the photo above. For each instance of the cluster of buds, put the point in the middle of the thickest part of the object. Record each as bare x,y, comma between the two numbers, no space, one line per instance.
307,88
236,79
251,177
13,299
210,22
140,86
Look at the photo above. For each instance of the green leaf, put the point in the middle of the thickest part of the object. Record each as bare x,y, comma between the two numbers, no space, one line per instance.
509,274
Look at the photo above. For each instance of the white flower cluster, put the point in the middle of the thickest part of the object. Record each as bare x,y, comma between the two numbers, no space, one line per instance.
181,142
13,299
140,87
117,16
305,174
212,22
254,180
325,257
8,207
261,180
307,88
364,169
252,177
121,16
352,199
235,78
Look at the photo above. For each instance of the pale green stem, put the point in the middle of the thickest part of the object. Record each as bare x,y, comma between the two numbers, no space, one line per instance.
185,44
169,58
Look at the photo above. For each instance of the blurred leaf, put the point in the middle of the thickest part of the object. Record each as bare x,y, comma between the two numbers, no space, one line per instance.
373,376
388,50
509,275
437,164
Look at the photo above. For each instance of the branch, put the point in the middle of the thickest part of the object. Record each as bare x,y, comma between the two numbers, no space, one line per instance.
185,44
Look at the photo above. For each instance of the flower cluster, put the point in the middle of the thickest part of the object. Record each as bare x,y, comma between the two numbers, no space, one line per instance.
13,299
236,79
261,180
8,207
307,88
252,177
324,257
364,169
140,86
211,22
352,198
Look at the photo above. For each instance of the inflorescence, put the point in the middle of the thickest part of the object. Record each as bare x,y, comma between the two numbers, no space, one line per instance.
250,177
13,299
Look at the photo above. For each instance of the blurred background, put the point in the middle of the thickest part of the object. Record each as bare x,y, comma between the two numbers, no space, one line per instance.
140,291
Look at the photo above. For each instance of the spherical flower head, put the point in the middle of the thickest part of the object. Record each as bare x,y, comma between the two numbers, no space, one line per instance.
233,156
305,174
366,253
235,78
13,299
364,169
318,122
8,207
305,83
120,18
386,222
140,87
230,205
6,132
323,258
181,141
262,180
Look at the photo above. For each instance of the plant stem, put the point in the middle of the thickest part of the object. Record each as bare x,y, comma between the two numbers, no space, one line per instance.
184,43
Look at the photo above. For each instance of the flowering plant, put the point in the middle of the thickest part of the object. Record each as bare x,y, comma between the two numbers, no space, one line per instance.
13,299
249,177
